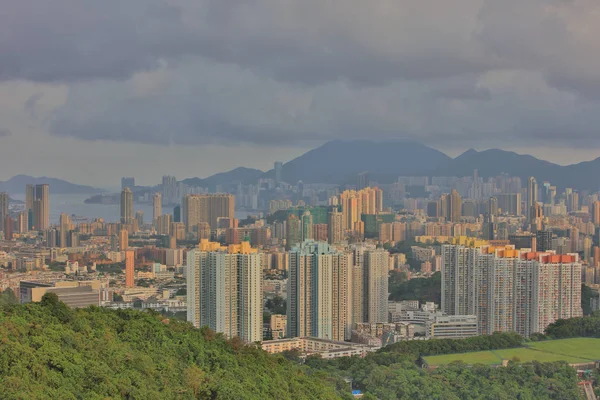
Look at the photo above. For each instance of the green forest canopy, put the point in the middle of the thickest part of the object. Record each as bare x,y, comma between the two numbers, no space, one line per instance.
50,351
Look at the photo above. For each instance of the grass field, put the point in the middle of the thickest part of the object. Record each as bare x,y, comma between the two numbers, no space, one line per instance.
588,348
477,357
573,351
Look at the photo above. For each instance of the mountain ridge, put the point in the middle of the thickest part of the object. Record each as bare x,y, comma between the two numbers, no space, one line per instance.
16,185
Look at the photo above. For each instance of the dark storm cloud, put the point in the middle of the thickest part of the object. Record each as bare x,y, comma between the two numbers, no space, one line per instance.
290,71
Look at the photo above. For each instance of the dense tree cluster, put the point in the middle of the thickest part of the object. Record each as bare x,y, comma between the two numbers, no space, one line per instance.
422,289
50,351
415,348
574,327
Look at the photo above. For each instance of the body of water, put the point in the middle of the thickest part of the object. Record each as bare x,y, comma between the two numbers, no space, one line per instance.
73,204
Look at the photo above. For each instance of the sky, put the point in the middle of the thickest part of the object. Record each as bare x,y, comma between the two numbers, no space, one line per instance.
94,90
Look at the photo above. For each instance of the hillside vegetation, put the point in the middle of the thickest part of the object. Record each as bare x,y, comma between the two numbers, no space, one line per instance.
48,351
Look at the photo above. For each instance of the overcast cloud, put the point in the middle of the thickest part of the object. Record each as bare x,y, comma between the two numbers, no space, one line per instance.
88,76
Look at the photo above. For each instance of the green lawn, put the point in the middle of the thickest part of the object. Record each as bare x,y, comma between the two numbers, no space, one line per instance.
587,348
573,351
477,357
525,355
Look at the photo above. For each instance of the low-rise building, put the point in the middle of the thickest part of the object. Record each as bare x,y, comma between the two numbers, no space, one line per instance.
325,348
75,294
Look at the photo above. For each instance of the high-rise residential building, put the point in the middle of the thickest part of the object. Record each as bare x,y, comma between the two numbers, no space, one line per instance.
139,217
156,206
3,208
127,182
8,228
29,197
163,225
224,289
370,267
65,229
493,206
355,203
23,222
543,240
123,240
293,231
41,207
532,195
278,168
509,289
509,203
319,292
596,213
177,214
169,190
209,208
129,268
362,180
433,209
376,265
335,229
307,226
454,206
127,206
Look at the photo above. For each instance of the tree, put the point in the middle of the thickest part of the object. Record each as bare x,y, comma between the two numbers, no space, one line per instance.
276,305
7,297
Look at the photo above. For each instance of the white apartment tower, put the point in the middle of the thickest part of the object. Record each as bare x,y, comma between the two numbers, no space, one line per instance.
224,289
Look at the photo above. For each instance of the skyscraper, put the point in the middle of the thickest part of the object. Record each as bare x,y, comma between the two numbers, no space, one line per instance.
596,213
3,208
129,268
335,230
169,187
454,206
8,228
493,206
41,207
126,206
376,262
65,228
224,289
307,226
209,208
156,206
293,230
278,171
139,218
532,195
123,240
319,292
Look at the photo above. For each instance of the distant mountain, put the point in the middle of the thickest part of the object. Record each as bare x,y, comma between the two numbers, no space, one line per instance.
494,162
16,185
340,162
240,174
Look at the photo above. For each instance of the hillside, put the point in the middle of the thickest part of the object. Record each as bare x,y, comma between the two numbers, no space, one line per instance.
340,162
48,351
240,174
16,185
